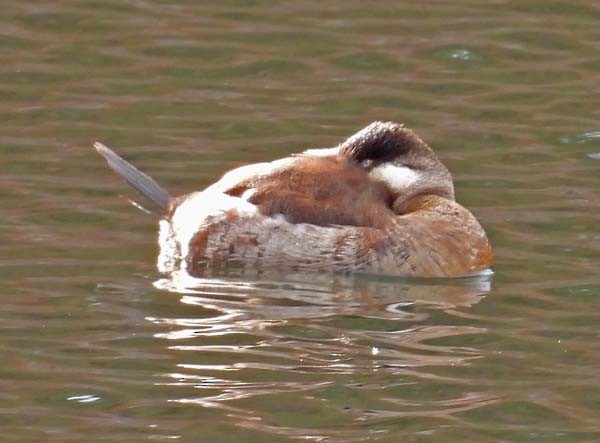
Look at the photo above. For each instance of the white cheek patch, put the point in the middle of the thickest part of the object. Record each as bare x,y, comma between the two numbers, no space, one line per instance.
191,215
398,178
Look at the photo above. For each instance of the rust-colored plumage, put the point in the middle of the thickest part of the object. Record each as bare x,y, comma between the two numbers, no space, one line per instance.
379,202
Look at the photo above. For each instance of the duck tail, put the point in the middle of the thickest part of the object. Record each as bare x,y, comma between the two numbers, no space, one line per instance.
141,182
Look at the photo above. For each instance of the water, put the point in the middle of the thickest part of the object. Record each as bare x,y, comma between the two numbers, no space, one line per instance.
97,345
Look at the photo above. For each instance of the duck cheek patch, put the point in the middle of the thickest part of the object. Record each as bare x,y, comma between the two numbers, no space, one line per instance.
398,178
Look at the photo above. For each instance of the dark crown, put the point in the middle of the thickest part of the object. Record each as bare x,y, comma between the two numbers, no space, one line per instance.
380,142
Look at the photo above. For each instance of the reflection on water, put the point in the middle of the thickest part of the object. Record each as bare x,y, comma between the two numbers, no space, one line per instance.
504,91
315,337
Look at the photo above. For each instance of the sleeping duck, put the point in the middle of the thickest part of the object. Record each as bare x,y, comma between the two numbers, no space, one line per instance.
380,202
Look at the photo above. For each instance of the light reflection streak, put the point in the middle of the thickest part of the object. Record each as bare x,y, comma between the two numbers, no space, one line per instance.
439,409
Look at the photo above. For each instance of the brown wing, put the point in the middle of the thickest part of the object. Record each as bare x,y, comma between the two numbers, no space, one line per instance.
319,190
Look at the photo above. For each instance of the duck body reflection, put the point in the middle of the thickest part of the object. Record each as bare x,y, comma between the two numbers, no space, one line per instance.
306,334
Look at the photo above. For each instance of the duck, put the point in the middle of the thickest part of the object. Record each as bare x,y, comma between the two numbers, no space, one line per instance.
380,202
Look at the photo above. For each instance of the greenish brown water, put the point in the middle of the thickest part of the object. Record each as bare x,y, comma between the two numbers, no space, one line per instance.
97,346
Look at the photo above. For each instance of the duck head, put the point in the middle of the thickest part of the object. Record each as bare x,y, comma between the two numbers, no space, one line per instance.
396,156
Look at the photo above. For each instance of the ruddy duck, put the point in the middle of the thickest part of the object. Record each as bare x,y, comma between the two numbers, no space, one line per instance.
380,202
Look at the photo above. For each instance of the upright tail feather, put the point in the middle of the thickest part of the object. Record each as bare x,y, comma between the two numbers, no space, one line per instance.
137,179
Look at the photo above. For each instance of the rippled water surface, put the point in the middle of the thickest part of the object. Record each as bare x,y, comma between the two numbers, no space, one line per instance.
96,345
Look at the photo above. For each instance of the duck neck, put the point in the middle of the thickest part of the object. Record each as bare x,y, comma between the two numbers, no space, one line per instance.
414,198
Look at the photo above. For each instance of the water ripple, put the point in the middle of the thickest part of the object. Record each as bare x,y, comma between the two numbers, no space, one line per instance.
504,92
